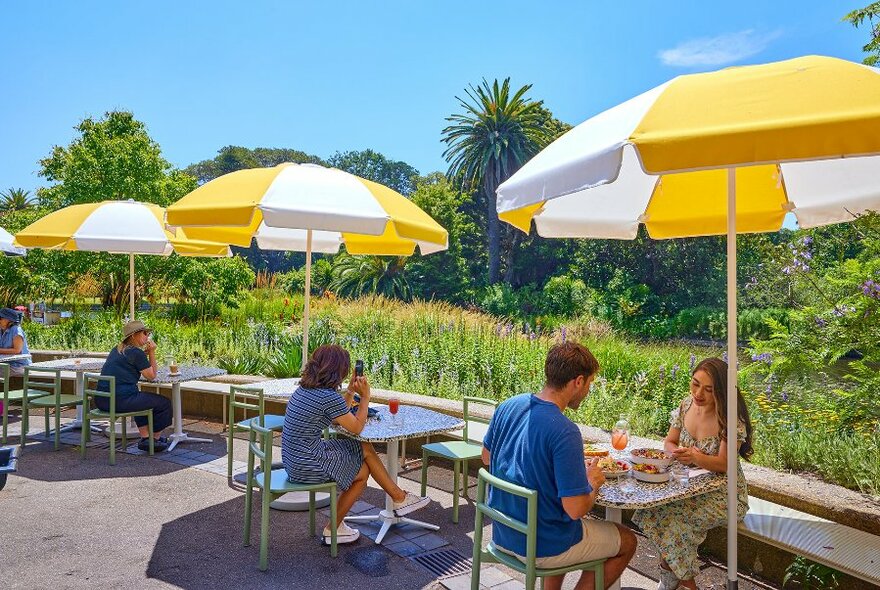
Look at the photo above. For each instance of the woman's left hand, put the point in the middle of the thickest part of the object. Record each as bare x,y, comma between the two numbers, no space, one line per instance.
687,455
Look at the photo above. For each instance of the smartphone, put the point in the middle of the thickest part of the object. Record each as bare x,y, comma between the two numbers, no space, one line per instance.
359,368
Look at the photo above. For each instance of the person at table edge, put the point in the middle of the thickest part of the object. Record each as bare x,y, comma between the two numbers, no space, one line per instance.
13,340
131,359
531,443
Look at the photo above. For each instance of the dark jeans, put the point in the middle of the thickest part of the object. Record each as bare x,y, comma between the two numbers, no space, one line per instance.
141,401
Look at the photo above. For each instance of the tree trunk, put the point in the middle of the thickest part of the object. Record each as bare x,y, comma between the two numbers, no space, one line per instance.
509,255
494,231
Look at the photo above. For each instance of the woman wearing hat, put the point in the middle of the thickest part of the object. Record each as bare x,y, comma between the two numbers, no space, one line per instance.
13,340
131,359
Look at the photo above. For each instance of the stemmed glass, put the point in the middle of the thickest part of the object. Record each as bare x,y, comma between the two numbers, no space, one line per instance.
393,407
620,440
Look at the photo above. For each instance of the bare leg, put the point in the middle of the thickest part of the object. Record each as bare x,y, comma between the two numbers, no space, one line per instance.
614,566
380,474
691,584
349,497
553,582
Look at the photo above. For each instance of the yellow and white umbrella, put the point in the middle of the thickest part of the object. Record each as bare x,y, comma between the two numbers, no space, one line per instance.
307,208
7,244
716,153
118,227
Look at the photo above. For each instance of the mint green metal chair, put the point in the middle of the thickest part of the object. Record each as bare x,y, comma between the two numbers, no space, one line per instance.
247,399
491,554
16,397
89,393
260,446
49,381
458,451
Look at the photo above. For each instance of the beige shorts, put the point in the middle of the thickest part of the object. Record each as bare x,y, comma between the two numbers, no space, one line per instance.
601,540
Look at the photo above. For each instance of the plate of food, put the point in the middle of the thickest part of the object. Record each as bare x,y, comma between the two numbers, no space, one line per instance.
650,473
612,467
594,451
654,457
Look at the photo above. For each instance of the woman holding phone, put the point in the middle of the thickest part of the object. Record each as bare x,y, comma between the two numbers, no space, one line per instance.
132,358
308,458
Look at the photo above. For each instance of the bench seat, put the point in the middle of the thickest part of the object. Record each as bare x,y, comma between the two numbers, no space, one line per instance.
844,548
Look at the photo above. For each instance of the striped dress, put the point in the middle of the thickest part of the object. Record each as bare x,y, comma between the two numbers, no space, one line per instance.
307,457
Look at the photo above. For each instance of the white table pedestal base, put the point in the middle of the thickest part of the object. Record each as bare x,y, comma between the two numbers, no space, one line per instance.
387,517
179,436
614,515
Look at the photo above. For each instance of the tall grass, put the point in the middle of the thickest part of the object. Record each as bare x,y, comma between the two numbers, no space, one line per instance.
439,350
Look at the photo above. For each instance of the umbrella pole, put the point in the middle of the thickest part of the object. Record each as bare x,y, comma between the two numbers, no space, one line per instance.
732,416
306,298
131,286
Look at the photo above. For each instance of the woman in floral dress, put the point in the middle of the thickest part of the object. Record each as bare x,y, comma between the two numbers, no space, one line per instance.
697,437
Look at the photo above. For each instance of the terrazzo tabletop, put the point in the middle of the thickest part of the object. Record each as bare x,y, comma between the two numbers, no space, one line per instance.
85,364
416,422
618,493
187,373
5,358
276,388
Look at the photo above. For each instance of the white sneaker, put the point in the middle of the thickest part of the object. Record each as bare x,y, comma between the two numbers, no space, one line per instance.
344,534
410,504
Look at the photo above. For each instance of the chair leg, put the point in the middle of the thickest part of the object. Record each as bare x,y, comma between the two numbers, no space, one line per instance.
229,432
464,480
84,432
150,431
5,420
600,575
46,431
264,524
424,472
248,499
312,513
124,433
57,428
112,434
333,497
25,421
456,468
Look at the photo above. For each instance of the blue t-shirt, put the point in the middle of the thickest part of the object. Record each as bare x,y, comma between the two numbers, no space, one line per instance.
7,338
126,366
534,445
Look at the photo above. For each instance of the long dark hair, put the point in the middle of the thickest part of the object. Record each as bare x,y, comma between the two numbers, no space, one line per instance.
717,371
327,368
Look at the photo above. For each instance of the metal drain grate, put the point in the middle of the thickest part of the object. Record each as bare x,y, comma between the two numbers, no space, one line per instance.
446,562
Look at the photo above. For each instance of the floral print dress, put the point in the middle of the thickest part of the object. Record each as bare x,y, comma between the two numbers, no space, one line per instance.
678,528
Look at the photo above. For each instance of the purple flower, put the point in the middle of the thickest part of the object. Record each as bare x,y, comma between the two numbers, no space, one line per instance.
675,369
807,240
724,356
820,322
693,362
662,372
564,334
784,396
764,357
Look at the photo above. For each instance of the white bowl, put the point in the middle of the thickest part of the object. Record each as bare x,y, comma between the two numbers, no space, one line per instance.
661,463
651,477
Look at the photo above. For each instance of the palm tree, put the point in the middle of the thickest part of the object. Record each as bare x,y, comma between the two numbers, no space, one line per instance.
15,199
360,275
492,139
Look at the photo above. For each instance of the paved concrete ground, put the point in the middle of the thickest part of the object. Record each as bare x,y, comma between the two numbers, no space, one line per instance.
174,521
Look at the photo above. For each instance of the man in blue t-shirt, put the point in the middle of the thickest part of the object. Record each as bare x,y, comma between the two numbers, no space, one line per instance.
530,442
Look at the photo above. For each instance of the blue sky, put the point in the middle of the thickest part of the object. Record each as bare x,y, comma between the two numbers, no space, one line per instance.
331,76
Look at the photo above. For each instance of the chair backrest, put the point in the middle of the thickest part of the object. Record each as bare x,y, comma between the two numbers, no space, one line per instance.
468,419
246,399
529,528
43,379
89,391
260,446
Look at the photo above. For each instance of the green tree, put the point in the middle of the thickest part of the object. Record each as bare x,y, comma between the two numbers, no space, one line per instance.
361,275
376,167
233,157
16,199
856,18
497,133
111,158
447,275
